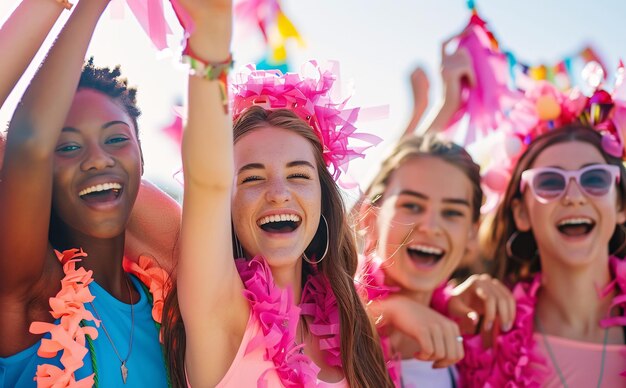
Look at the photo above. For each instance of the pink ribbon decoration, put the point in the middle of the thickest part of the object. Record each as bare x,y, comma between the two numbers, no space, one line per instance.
151,16
484,103
309,95
262,13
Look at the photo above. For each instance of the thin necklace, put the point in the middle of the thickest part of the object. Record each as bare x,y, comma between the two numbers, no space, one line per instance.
553,358
301,326
123,367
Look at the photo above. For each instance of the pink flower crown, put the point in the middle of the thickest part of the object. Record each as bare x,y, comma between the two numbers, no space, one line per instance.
309,97
543,108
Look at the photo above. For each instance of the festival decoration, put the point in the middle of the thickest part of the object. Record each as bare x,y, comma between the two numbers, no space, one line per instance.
483,104
309,94
277,29
545,107
559,73
151,16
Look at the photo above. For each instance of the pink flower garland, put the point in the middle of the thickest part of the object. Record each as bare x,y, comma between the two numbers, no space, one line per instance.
370,283
509,362
278,316
68,305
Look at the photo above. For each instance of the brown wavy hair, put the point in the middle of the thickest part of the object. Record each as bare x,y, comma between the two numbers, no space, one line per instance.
501,226
361,356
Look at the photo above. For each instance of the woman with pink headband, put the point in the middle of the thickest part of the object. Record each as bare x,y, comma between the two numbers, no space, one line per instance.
558,241
267,257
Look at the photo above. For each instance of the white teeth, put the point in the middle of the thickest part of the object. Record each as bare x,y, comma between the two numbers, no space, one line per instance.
279,218
576,221
102,187
426,249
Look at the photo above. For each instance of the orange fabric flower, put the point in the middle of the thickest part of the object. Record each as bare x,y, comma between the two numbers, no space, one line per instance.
68,306
154,277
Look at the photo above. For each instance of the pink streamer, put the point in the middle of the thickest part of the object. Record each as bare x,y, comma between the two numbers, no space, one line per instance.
150,15
484,103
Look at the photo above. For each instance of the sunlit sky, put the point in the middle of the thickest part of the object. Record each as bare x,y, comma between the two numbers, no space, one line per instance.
378,43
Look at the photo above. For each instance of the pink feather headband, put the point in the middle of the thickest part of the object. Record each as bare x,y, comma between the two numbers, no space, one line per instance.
309,97
543,108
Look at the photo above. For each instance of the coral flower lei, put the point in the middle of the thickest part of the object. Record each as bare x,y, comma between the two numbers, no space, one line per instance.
278,316
71,333
510,362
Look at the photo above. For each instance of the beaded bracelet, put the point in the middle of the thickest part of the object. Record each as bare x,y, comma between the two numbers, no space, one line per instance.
65,4
211,71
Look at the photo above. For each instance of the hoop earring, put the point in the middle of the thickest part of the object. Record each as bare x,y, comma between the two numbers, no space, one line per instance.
239,248
509,250
621,228
304,256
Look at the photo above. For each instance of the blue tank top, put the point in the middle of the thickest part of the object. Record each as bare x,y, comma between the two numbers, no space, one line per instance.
146,366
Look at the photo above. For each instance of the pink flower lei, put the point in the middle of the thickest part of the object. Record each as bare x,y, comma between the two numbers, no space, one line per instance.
69,336
370,283
309,95
278,316
509,362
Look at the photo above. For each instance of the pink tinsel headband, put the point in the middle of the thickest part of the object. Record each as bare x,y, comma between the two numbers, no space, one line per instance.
309,96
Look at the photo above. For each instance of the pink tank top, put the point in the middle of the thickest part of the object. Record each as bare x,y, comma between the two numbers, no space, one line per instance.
248,368
580,363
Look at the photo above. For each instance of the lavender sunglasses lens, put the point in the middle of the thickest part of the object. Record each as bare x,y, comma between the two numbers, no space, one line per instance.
596,181
551,184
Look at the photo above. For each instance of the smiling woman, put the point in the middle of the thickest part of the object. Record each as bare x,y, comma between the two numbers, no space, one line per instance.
264,230
97,157
418,229
559,242
71,305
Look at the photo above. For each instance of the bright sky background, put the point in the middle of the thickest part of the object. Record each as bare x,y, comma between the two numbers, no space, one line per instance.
377,42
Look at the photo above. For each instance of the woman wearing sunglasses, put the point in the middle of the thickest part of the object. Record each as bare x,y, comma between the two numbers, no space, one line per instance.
554,238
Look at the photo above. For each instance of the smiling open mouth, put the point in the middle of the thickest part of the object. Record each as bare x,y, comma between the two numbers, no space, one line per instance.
574,227
425,255
101,193
280,223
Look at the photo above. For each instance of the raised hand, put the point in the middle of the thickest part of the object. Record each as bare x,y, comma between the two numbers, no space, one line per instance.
420,87
457,73
209,23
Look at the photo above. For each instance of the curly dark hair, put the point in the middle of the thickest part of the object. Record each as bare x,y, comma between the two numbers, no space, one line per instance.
109,82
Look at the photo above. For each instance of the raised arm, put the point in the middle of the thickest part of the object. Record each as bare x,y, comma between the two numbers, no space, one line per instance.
420,87
456,74
21,35
210,295
154,227
26,176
